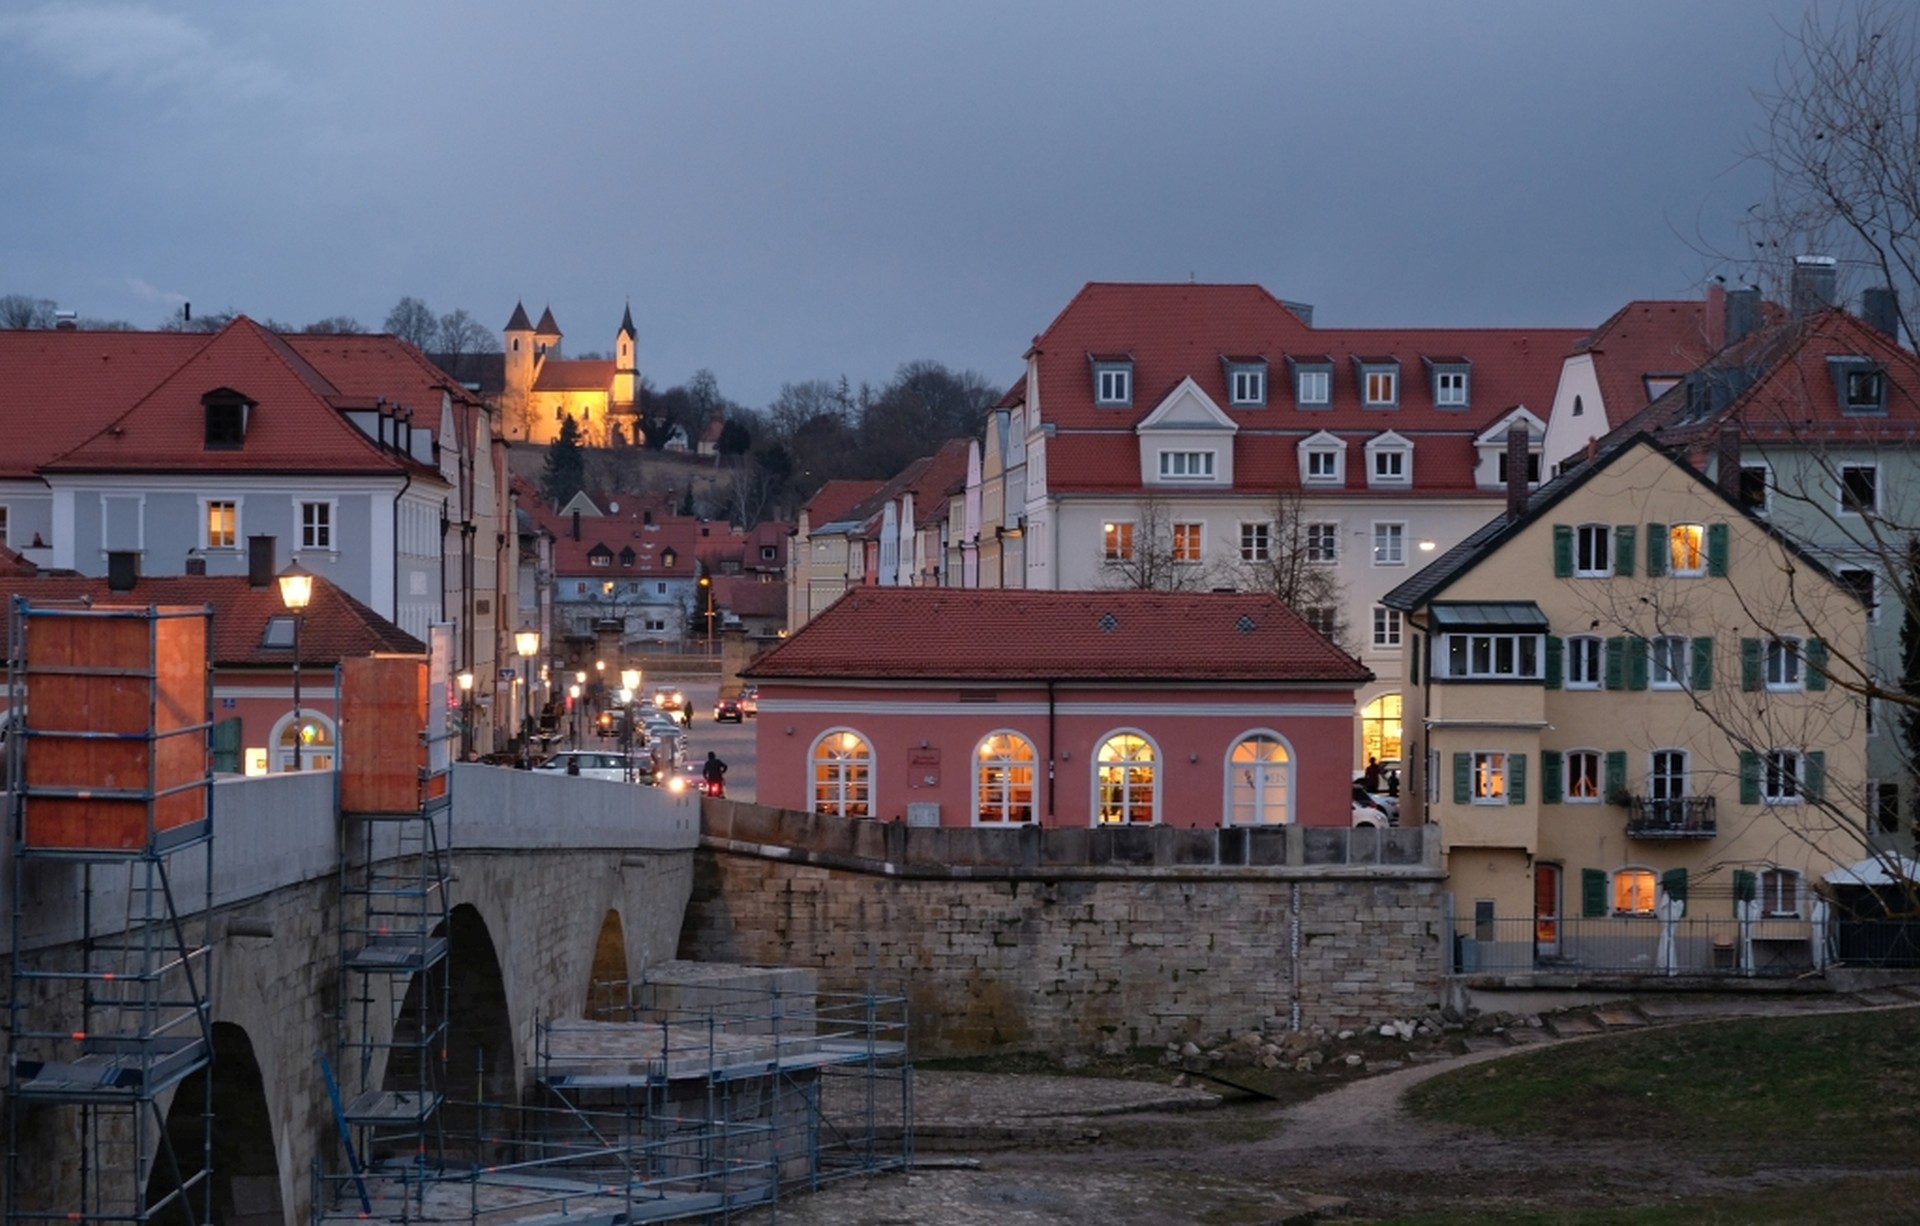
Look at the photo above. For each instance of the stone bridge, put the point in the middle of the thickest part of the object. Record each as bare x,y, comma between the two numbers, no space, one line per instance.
557,883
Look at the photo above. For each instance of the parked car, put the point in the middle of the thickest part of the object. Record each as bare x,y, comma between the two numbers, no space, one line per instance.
600,764
750,701
728,711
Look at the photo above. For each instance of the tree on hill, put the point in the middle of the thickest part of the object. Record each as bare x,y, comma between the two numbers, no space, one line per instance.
412,321
565,473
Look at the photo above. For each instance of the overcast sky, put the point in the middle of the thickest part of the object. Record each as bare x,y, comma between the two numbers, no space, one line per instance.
793,191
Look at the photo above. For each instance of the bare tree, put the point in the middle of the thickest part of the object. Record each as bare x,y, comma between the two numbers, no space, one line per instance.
340,324
1145,548
459,334
1294,565
23,311
412,321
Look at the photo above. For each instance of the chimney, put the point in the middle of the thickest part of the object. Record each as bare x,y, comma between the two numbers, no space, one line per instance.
66,321
1516,470
1713,320
196,562
1743,313
1812,288
1880,310
1726,461
576,525
123,567
260,551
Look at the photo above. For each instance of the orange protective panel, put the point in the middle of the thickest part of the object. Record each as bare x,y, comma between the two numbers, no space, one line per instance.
140,678
383,710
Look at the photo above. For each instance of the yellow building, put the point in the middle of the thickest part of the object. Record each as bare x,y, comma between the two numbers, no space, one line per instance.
541,389
1634,716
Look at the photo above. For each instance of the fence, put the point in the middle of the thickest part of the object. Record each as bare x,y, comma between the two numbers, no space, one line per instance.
1770,947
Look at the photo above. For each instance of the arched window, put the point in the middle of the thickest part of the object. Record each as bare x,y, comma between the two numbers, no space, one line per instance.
1003,788
1259,782
315,732
1380,729
1124,781
843,774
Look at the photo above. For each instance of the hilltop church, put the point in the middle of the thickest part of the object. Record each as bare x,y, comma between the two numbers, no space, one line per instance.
539,388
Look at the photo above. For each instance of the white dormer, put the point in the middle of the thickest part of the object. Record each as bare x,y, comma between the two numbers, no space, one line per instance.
1323,461
1490,449
1186,440
1389,461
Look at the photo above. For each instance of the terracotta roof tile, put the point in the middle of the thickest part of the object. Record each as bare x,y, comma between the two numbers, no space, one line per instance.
836,500
57,389
574,374
1643,338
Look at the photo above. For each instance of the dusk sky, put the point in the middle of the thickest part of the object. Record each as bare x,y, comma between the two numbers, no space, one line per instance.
800,191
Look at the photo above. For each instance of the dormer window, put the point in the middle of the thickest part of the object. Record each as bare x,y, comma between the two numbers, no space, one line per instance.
600,555
1389,462
1860,384
1246,383
666,558
1379,382
1312,382
1323,460
1450,382
226,417
626,558
1113,382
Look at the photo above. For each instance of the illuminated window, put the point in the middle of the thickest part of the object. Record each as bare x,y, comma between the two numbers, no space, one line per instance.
1380,728
223,520
1583,776
315,735
1124,781
1687,549
1382,387
1489,778
1260,777
1186,543
843,775
1118,542
1633,891
1004,790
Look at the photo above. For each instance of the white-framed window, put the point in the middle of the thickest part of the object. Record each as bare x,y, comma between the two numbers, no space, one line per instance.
1125,786
656,625
1780,892
1322,619
1389,467
1785,669
1113,383
1859,489
1862,385
1323,543
1780,777
1247,385
1584,667
1389,544
220,524
1186,465
1634,891
1256,542
1667,776
315,736
1189,544
1117,540
1668,662
1489,778
1323,466
1386,626
1450,388
1687,549
1533,467
841,766
1489,656
1004,780
316,525
1583,777
1313,385
1593,551
1380,387
1259,781
660,587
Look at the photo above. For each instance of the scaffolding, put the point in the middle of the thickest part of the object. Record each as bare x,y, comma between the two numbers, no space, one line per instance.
109,1008
702,1091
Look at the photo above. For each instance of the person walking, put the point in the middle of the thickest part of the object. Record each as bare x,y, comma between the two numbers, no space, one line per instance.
715,773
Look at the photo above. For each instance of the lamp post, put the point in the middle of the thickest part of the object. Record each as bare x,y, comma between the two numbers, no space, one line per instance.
296,591
526,643
706,592
465,680
573,702
629,686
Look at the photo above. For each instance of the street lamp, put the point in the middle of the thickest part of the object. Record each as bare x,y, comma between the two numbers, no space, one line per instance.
573,701
526,643
629,687
706,591
465,681
296,592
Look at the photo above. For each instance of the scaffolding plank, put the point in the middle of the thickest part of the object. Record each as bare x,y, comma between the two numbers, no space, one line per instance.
392,1107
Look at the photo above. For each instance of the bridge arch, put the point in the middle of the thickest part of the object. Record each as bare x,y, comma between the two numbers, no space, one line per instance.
607,990
245,1180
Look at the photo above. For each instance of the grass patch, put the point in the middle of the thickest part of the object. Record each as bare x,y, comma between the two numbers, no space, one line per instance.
1841,1089
1885,1200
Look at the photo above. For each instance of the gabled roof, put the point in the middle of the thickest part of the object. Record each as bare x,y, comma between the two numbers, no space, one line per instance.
575,375
59,388
335,626
1647,337
987,634
14,565
835,500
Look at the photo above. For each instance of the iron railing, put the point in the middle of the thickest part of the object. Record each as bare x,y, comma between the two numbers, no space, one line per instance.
1686,817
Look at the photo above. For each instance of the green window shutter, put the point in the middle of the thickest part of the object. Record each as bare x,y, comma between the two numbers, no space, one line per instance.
1623,535
1703,663
1616,774
1563,551
1462,779
1749,777
1674,882
1552,776
1816,664
1656,550
1617,663
1556,660
226,746
1593,892
1751,664
1516,779
1815,783
1636,663
1746,885
1717,550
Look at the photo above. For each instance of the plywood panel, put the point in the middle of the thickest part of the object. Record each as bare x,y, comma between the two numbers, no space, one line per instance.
383,709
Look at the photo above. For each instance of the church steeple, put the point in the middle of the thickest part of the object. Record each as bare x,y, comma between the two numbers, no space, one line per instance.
626,366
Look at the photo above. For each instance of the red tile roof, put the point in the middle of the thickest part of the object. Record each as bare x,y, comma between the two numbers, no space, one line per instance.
746,596
835,500
891,633
15,565
574,375
336,626
57,389
1643,338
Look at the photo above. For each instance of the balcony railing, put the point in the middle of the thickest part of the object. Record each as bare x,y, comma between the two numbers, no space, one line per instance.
1688,817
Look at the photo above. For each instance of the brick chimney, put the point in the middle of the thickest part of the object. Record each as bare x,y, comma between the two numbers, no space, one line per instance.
196,562
1726,460
1812,288
260,558
123,570
1517,451
1742,313
1880,310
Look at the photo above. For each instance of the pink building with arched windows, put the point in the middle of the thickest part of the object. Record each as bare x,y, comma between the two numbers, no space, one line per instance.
991,707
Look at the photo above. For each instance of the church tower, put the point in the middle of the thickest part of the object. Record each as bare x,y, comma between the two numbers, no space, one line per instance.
517,379
626,366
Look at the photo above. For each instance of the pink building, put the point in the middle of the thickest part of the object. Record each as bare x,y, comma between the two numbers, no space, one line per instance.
984,707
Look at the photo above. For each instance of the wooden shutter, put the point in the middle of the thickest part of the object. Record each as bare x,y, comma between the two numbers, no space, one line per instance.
1556,661
1674,882
1717,550
1636,663
1516,779
1746,885
1656,550
1563,551
1462,779
1616,774
1623,535
1815,782
1617,662
1593,892
1703,663
1816,652
1749,777
226,746
1752,664
1552,777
